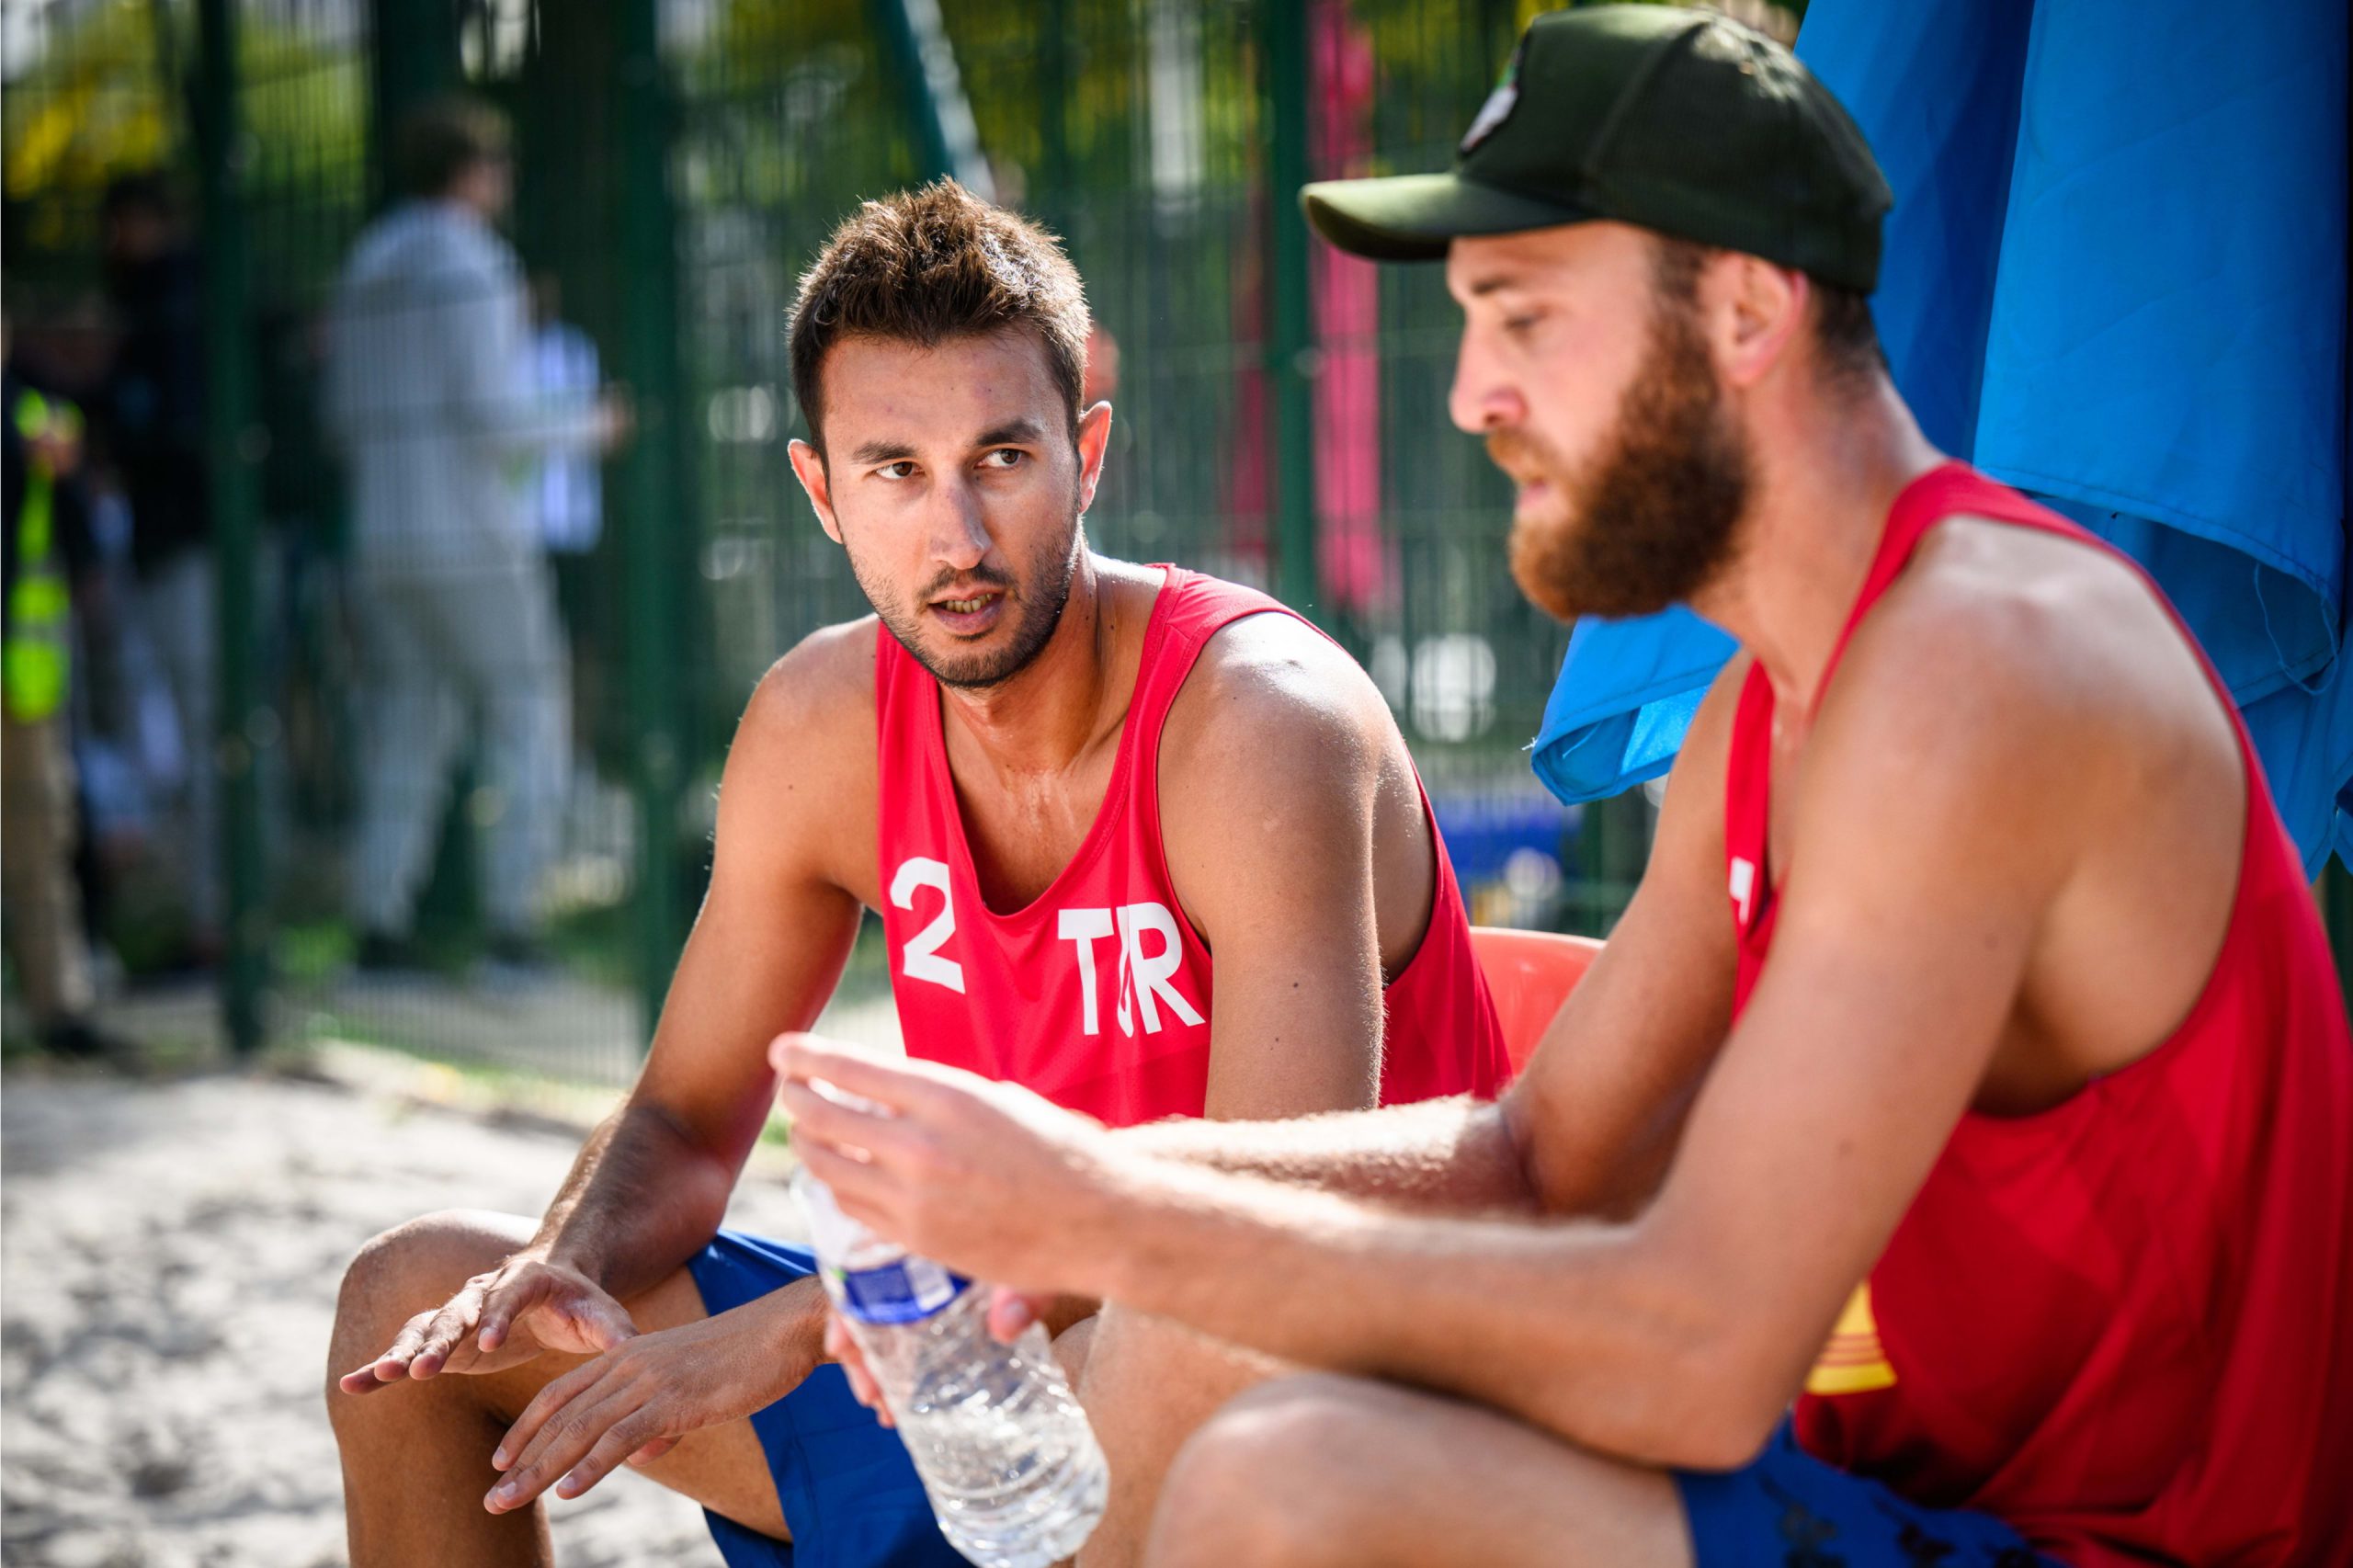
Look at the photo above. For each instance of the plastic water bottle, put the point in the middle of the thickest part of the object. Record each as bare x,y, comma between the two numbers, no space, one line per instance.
1012,1468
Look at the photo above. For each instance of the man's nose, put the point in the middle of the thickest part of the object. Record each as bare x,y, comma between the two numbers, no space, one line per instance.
960,534
1481,399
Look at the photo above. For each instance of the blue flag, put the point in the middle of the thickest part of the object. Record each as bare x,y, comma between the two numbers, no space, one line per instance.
2115,278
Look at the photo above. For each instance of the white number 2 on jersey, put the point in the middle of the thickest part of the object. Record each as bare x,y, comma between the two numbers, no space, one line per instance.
921,960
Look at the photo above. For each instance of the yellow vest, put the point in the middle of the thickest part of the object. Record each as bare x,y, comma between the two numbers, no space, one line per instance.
36,657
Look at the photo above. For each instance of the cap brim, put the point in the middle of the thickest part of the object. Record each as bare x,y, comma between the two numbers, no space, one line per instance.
1415,217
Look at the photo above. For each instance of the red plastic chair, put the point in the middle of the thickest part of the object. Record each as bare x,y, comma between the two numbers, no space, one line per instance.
1529,973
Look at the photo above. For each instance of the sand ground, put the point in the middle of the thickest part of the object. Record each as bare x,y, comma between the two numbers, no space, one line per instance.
169,1256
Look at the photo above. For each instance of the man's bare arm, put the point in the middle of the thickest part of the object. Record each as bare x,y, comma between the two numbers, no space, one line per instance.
651,1183
1450,1156
794,849
1676,1337
773,934
1276,778
1616,1070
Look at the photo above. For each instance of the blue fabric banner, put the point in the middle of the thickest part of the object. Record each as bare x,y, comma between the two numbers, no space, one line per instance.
2115,278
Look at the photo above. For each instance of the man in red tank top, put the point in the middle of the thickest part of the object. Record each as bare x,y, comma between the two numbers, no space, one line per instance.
1144,841
1969,1071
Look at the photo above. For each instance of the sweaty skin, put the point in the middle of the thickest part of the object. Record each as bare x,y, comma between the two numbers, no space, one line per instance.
2006,849
1295,836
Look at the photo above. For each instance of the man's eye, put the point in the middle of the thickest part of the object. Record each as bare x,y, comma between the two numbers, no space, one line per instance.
904,469
1519,326
1004,457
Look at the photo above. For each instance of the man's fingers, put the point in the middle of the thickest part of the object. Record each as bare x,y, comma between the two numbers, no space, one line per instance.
844,1349
392,1364
600,1321
629,1435
363,1379
548,1400
561,1444
448,1325
403,1348
867,1392
860,1190
651,1452
1011,1312
502,1306
895,1084
852,1129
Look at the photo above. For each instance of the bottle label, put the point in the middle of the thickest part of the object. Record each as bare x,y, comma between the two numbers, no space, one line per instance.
905,1289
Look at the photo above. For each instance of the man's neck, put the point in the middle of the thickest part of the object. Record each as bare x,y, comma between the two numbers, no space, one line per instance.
455,204
1049,714
1826,476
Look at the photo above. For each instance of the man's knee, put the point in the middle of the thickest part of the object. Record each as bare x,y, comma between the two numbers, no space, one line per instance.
1072,1346
413,1267
1149,1383
1273,1477
432,1254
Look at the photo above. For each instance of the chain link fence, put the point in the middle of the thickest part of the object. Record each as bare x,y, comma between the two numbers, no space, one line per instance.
477,795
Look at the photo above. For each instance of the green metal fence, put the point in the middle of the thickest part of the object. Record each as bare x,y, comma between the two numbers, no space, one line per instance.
1280,409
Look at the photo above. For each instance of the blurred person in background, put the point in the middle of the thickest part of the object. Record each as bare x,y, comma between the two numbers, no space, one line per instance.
565,373
1102,365
44,543
570,501
430,397
152,411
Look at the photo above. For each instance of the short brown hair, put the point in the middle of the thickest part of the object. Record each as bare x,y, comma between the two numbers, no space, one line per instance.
1846,339
440,140
1845,335
924,265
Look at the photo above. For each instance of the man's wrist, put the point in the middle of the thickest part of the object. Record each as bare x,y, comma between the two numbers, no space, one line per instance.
581,1260
800,1311
1115,1213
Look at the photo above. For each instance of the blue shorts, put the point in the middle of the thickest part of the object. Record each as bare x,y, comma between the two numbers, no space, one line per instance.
849,1492
851,1499
1788,1509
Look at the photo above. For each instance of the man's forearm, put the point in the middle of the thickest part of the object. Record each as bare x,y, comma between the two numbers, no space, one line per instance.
1578,1327
1450,1156
641,1198
794,1318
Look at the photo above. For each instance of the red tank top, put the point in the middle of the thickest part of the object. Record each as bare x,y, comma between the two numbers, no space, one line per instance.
2124,1325
1098,994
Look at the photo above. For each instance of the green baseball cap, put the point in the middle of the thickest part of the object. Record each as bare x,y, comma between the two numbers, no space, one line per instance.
1674,120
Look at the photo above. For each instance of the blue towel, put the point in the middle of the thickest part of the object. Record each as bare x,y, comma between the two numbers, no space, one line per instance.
2115,278
1626,694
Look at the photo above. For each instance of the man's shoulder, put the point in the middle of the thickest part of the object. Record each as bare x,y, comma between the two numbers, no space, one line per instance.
801,775
2024,660
1270,702
2046,624
448,245
822,690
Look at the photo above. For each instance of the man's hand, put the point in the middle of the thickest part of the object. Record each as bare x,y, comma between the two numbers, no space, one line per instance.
556,1308
1009,1317
985,1177
56,452
616,418
842,1346
636,1403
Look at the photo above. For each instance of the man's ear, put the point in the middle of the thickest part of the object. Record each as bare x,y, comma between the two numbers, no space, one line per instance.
1754,311
809,467
1094,444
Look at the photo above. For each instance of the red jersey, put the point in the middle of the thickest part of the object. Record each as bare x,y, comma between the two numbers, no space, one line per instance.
1097,993
2123,1325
